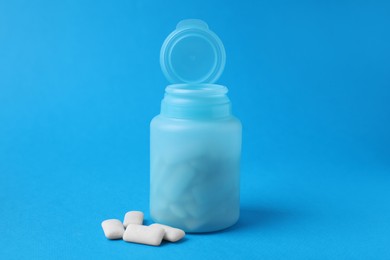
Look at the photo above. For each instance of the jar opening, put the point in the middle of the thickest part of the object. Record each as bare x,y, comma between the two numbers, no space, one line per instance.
196,89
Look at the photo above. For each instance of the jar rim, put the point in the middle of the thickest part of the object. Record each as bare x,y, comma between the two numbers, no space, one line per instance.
197,89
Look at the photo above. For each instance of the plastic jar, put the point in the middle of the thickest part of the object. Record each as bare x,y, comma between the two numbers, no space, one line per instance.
195,141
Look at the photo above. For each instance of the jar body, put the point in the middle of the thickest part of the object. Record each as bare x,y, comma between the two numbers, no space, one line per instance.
194,172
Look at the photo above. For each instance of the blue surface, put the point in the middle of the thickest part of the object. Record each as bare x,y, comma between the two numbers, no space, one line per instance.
80,81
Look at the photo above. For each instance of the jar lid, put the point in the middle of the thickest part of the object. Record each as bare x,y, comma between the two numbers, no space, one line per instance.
192,54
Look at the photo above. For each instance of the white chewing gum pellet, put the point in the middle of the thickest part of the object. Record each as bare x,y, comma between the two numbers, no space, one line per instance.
171,234
133,217
144,234
113,228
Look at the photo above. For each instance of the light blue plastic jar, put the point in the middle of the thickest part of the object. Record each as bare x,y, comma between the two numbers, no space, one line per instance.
195,142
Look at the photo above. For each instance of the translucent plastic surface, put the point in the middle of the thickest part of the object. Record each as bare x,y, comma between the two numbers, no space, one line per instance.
192,53
195,172
195,142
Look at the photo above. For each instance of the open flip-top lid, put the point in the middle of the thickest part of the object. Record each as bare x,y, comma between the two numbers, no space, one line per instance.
192,54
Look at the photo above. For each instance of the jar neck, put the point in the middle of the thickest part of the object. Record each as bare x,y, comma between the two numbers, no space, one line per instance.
196,101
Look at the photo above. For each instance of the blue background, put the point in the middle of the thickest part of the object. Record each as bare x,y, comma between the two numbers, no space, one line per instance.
80,81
